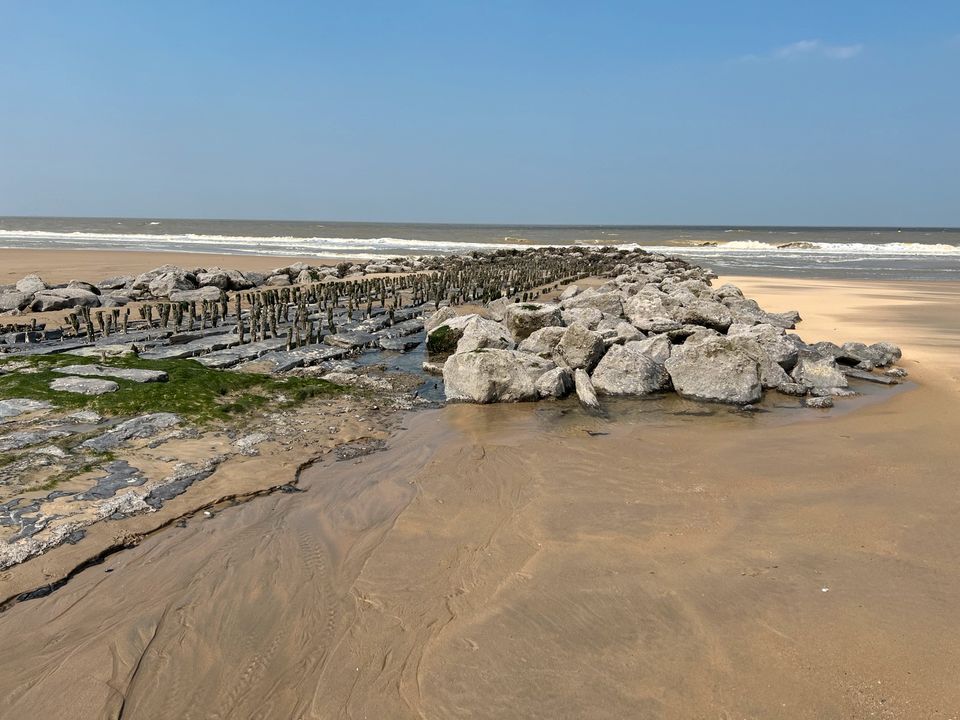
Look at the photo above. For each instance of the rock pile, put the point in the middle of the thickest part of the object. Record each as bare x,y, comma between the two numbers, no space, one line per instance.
658,326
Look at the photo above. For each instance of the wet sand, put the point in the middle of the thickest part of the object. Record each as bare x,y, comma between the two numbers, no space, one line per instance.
502,562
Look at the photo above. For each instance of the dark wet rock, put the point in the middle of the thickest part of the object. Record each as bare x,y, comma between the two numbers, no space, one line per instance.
120,475
84,386
359,448
140,427
716,370
485,376
628,370
137,375
178,483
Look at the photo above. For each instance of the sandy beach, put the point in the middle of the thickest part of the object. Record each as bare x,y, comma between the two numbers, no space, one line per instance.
535,561
60,266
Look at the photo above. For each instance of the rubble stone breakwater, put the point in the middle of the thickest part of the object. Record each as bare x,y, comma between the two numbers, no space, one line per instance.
657,326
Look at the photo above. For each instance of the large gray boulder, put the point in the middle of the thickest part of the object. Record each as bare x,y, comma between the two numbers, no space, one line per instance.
522,319
556,383
116,283
278,280
439,317
214,277
543,342
481,333
63,298
628,370
169,282
31,285
772,339
657,347
83,285
819,373
486,376
771,373
706,313
587,316
868,356
15,300
648,312
716,370
209,292
444,337
609,303
579,348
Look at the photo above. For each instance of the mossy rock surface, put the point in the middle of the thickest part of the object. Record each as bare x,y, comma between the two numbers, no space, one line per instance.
197,393
443,339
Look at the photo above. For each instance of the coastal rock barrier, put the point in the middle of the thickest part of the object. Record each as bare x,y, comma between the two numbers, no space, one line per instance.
658,326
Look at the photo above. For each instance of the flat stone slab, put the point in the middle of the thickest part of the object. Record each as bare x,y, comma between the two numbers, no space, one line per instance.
17,406
17,440
350,340
133,374
402,344
869,376
138,427
84,386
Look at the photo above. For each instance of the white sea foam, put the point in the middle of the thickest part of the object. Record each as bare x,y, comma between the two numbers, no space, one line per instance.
383,247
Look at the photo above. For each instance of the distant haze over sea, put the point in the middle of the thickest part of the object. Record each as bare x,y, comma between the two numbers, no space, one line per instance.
905,253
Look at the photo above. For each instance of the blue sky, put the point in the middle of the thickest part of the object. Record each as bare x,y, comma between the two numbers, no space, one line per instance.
758,112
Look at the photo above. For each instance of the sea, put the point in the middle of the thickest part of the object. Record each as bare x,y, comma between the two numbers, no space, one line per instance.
815,252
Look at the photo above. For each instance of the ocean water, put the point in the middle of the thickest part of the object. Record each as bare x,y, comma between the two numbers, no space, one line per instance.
901,253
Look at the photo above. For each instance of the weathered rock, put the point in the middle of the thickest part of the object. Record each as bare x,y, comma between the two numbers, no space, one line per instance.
869,376
706,313
522,319
819,403
63,298
84,386
400,344
439,318
543,342
116,283
15,300
277,280
772,339
210,292
579,348
136,428
646,311
609,303
657,347
481,333
12,407
569,292
791,388
26,438
81,285
31,285
771,374
589,317
818,373
137,375
497,309
628,370
556,383
171,281
215,277
485,376
585,390
716,371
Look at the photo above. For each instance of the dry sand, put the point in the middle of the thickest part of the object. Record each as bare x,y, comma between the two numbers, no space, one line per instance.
59,266
502,562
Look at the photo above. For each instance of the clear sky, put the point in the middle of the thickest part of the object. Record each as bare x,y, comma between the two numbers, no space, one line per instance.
700,112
